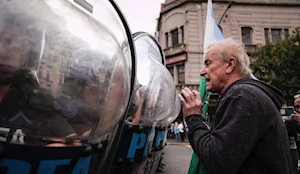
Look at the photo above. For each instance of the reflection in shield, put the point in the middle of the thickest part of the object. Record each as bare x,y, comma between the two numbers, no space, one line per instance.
67,82
154,105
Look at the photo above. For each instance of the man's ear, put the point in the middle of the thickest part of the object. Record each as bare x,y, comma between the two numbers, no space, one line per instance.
231,65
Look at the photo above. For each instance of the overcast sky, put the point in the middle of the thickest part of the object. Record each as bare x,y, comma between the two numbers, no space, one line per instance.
141,14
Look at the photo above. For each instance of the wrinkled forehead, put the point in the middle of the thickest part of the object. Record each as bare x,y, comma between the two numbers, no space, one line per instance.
212,53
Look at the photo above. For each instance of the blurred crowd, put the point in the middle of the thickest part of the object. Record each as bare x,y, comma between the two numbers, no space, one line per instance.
177,131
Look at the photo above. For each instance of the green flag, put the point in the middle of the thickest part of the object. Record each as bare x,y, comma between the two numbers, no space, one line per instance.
195,165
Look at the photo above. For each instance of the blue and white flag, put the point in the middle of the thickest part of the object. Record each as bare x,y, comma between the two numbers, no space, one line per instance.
212,34
212,30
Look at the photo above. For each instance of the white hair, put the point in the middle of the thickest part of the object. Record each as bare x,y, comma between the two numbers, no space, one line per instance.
231,48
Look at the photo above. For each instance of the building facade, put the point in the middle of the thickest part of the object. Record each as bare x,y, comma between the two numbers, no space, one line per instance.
181,27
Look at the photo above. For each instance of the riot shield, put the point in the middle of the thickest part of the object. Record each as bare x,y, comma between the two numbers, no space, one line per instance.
68,70
152,101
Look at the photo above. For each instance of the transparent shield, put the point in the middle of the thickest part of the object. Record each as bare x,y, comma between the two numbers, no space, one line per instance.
105,12
64,71
173,114
161,94
154,87
150,46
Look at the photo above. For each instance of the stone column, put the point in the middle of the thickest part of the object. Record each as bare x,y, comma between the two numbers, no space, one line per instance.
180,41
175,74
170,39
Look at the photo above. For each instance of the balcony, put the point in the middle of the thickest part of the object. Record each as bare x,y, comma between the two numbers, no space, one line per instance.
179,48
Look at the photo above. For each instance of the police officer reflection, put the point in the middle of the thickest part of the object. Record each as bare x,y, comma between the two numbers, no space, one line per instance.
25,108
83,91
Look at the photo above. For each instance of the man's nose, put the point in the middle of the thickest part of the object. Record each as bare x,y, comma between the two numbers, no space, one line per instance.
202,71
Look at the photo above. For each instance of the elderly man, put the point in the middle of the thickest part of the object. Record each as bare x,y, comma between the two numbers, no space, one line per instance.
247,134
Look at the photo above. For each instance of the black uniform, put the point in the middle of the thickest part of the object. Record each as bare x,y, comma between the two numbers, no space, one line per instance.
77,114
29,108
247,134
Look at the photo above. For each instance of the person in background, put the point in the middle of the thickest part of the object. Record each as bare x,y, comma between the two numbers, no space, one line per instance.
247,134
293,129
181,130
296,114
176,132
171,131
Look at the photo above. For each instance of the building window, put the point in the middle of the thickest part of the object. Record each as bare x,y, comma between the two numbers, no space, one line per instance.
274,34
167,39
286,33
267,38
181,78
174,34
247,35
182,33
171,70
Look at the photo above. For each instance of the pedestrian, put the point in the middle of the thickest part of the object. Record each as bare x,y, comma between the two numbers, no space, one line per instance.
176,131
293,129
181,131
247,134
171,130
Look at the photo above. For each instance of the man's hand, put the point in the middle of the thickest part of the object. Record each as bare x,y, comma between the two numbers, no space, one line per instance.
296,116
192,103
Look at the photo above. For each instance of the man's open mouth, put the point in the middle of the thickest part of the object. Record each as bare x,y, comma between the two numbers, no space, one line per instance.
7,68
